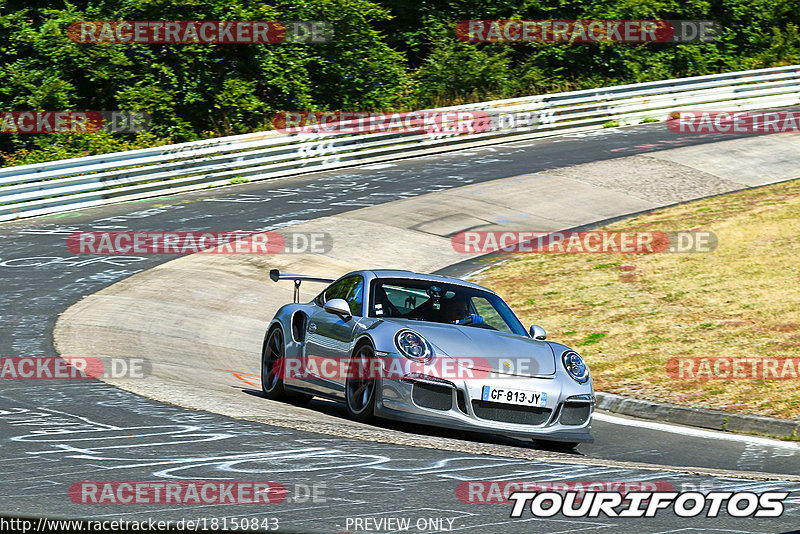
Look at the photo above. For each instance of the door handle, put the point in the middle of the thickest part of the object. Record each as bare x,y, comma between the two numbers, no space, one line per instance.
312,327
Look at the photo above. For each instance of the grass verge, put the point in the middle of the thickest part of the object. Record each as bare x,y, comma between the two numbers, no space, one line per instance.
630,314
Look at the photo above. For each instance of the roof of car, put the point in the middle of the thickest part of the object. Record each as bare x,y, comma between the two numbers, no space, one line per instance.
398,273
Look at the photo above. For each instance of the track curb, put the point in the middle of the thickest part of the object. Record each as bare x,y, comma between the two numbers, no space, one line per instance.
697,417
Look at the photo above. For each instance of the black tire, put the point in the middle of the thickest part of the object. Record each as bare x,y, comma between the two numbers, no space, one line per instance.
272,364
360,391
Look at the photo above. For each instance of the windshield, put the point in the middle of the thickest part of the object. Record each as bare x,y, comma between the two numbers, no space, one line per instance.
439,302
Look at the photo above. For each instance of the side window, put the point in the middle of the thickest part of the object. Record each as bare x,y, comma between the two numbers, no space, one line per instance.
354,294
351,289
334,291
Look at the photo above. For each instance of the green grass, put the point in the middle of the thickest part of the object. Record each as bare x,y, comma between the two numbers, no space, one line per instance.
741,300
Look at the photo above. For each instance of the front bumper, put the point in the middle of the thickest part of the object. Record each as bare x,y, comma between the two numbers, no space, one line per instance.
457,404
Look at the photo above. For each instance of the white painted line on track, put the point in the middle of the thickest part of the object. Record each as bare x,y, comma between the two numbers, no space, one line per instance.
377,166
695,432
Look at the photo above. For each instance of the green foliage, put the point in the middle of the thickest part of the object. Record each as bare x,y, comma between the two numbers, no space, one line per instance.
61,146
386,54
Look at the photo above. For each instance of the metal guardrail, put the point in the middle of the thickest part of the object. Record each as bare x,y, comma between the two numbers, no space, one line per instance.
30,190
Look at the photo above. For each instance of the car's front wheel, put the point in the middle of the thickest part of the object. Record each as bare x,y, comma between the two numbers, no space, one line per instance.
360,387
272,370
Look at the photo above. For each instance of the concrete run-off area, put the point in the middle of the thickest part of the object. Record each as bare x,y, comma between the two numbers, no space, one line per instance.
200,320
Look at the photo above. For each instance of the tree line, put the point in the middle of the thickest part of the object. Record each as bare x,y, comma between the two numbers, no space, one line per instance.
385,55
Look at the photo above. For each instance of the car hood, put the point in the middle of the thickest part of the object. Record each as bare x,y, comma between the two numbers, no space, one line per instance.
490,350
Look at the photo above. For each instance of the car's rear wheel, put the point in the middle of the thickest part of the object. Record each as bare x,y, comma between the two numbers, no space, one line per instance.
272,368
360,388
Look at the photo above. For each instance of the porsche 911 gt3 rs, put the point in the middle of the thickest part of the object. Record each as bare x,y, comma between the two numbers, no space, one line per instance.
426,349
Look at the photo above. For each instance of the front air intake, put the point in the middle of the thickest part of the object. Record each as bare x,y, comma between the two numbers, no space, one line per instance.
432,396
511,413
575,413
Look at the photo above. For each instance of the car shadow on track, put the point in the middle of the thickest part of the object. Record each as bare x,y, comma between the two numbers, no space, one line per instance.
338,410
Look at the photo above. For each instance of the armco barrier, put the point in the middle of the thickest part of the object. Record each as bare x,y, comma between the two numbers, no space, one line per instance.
30,190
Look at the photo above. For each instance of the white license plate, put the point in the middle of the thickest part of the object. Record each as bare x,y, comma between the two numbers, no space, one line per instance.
514,396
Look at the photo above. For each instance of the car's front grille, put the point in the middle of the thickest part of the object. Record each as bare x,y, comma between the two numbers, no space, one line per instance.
574,413
510,413
432,396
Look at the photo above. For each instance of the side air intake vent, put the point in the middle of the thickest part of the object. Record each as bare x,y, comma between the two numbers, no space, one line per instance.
299,321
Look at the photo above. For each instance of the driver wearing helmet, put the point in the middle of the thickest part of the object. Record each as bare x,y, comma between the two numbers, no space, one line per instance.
457,312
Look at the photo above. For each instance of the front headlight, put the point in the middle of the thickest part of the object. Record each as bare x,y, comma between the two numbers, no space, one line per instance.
413,345
575,366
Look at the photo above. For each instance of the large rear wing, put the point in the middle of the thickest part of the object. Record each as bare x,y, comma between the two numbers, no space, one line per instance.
298,279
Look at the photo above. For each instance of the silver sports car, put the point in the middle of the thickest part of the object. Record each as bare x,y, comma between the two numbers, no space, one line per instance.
426,349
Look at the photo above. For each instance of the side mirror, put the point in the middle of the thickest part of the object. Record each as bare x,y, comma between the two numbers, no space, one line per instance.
537,332
338,307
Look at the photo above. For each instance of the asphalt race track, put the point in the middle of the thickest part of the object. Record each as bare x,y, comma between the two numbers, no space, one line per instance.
56,433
